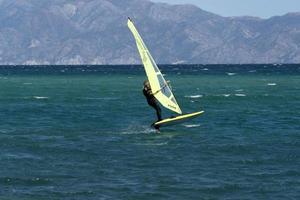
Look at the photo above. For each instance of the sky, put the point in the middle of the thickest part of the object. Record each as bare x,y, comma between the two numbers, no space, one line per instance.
257,8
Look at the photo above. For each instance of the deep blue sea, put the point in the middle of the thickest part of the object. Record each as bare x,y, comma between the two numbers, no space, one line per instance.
83,132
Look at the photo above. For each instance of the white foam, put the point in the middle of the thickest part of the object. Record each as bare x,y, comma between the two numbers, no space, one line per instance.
226,95
204,69
239,90
133,129
194,96
153,144
100,98
37,97
191,125
272,84
231,74
240,95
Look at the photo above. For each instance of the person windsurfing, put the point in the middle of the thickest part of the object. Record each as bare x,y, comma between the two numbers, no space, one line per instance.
151,99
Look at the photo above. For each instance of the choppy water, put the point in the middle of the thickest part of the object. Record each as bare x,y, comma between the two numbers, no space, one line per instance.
83,133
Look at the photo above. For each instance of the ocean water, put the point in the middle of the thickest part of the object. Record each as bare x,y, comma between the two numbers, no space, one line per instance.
84,133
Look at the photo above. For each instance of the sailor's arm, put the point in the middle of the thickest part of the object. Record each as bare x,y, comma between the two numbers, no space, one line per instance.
154,93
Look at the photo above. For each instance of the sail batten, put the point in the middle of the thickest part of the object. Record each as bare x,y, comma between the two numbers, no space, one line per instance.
155,77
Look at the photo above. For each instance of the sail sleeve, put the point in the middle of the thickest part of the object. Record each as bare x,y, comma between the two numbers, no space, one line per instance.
159,86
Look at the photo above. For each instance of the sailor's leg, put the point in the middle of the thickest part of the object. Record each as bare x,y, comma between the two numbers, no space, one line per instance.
158,112
154,105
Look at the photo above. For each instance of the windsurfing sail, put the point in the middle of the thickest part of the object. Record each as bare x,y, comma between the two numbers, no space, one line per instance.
159,85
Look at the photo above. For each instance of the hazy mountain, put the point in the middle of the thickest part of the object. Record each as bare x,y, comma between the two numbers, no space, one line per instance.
95,32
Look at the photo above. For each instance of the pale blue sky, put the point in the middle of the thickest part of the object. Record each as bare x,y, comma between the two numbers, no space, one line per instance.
259,8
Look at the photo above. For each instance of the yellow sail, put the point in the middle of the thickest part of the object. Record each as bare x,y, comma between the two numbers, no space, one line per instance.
158,84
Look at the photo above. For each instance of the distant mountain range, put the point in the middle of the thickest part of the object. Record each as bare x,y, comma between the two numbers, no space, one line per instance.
95,32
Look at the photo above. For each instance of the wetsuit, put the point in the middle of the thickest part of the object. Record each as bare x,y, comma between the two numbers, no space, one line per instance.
152,102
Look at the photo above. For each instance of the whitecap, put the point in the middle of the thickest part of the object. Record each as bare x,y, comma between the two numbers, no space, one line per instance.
152,144
194,96
240,95
272,84
37,97
239,90
252,71
231,74
21,156
204,69
138,130
191,125
99,98
226,95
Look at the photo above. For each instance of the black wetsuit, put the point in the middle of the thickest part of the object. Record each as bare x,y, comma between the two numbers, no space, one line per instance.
152,102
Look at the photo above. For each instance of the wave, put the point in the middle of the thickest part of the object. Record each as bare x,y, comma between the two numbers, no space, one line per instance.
5,131
153,144
26,181
192,125
21,156
240,95
226,95
239,90
99,98
272,84
194,96
38,97
138,130
231,74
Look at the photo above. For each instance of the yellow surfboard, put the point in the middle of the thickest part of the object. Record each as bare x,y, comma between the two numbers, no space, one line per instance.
177,120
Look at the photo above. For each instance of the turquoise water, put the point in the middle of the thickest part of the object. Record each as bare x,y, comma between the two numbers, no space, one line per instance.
84,133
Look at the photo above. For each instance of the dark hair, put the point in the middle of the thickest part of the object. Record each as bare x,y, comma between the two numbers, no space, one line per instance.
146,82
